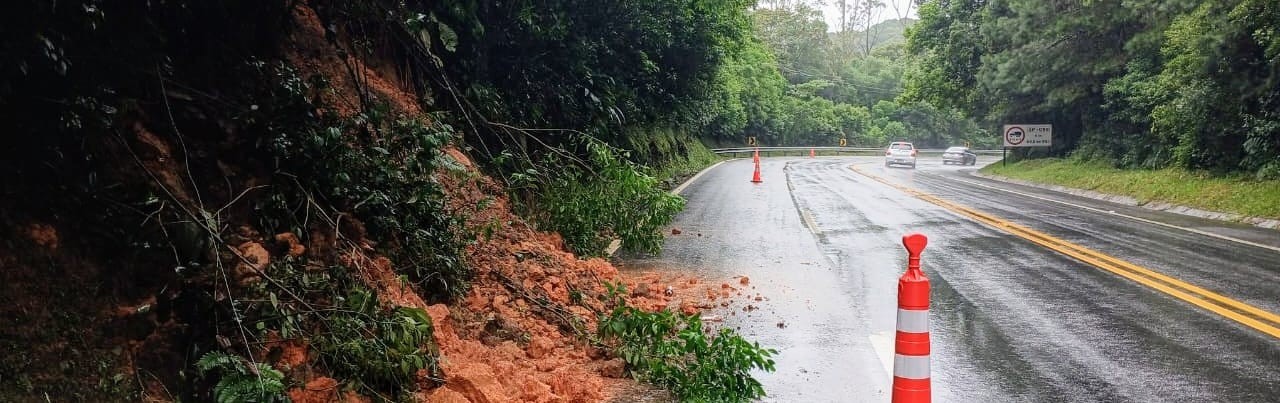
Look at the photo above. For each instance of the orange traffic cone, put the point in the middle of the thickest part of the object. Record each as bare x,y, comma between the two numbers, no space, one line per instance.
911,351
756,158
755,178
810,153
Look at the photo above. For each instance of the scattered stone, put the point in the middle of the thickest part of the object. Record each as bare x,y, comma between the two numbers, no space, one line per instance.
675,231
476,383
615,368
535,391
782,325
745,280
595,353
669,291
255,261
688,308
539,347
321,389
44,235
291,244
446,395
642,290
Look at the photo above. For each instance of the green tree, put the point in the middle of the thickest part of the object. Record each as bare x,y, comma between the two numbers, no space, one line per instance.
798,36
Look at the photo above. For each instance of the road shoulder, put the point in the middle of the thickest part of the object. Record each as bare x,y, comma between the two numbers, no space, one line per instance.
1129,201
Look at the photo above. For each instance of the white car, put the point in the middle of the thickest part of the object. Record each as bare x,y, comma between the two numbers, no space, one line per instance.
959,155
900,152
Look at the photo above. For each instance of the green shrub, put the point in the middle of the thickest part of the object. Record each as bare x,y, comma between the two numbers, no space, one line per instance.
602,198
239,381
672,349
381,167
374,349
382,349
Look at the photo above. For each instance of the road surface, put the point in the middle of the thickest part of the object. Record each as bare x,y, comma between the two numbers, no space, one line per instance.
1011,320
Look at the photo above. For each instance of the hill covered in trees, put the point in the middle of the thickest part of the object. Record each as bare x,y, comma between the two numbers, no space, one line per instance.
796,84
1150,84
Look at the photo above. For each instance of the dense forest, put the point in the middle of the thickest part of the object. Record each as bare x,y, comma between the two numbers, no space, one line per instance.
1141,84
799,82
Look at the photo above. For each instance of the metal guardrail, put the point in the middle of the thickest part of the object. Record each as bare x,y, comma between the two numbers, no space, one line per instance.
803,151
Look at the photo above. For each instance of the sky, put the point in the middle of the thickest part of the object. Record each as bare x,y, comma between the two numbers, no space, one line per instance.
831,11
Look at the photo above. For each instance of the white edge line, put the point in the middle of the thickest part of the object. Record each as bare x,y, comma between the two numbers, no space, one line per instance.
809,221
882,344
1098,210
688,182
617,243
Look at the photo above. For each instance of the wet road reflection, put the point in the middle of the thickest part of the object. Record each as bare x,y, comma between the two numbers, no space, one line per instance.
1011,321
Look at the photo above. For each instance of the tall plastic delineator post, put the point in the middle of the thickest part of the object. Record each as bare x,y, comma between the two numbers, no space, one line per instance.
911,346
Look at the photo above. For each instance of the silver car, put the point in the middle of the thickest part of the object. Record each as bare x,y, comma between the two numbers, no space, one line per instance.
900,152
959,155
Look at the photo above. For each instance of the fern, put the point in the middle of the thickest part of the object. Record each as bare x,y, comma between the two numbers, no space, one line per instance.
240,381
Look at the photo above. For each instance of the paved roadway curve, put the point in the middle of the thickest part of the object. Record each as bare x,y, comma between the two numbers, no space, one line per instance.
1011,320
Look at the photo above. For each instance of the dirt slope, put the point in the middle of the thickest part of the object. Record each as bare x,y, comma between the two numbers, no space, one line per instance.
519,334
84,322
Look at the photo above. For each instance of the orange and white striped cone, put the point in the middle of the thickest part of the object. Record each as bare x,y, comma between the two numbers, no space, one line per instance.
755,178
911,348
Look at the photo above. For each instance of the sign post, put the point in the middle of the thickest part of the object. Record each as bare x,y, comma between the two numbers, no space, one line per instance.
1026,135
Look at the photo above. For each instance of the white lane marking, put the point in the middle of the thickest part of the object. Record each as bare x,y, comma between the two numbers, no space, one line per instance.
882,343
686,184
1112,212
617,243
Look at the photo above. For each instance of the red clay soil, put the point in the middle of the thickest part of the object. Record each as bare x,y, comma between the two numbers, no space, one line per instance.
311,53
509,339
517,335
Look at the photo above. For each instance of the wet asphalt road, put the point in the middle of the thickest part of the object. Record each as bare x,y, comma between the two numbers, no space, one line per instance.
1010,320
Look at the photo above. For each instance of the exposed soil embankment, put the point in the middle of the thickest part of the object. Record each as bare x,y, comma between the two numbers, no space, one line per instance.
84,321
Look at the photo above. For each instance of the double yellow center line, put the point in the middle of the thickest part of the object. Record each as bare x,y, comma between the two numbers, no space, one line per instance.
1245,314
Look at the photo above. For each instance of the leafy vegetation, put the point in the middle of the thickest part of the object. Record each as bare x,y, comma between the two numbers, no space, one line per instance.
797,84
377,165
240,381
375,349
1237,194
383,349
1136,84
673,350
591,202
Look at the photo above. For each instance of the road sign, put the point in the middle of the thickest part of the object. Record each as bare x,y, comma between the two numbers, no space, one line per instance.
751,141
1028,135
844,142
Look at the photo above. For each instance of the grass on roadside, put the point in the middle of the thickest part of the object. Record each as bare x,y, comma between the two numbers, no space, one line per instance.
680,168
1203,190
